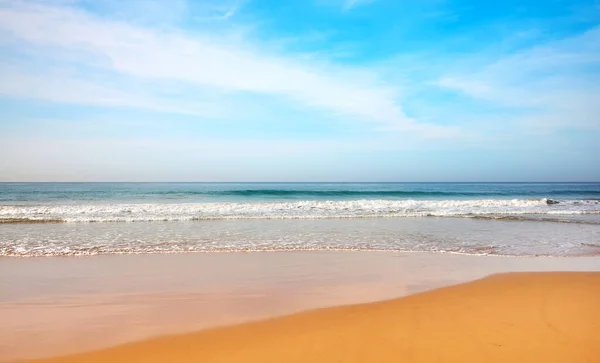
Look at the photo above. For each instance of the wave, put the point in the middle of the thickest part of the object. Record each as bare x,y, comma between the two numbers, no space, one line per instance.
536,218
336,193
29,220
93,251
15,252
383,193
291,193
588,250
306,209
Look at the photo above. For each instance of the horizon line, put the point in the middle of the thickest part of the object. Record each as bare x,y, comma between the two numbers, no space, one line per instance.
309,182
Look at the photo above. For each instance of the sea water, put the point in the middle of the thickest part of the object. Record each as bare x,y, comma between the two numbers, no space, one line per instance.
557,219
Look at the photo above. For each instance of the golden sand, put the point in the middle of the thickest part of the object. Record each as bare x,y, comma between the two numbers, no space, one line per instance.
516,317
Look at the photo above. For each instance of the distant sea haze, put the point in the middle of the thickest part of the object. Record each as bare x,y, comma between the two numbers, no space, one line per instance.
62,218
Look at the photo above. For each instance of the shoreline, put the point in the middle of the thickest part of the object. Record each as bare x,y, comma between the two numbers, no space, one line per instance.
453,235
535,317
52,306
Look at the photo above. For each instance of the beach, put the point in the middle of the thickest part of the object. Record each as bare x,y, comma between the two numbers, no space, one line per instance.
57,306
130,271
187,181
532,317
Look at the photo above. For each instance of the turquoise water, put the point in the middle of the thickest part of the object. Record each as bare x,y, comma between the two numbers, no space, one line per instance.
40,219
240,192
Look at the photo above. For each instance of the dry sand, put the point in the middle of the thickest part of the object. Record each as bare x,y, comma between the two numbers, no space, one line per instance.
515,317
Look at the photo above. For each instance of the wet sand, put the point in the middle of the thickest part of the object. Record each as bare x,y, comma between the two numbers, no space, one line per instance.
519,317
57,306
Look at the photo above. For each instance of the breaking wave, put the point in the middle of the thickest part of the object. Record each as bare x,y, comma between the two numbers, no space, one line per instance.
366,208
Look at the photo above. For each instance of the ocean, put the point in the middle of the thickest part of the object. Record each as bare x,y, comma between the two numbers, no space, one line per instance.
513,219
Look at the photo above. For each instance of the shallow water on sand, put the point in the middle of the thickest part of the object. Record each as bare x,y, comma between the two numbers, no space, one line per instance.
451,235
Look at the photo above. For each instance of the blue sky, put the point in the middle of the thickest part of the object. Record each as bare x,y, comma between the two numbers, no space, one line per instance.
316,90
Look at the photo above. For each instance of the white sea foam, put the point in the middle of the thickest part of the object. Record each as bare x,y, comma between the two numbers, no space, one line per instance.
292,210
447,235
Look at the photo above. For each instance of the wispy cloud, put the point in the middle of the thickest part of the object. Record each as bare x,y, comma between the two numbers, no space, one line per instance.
297,86
229,13
217,11
202,62
554,84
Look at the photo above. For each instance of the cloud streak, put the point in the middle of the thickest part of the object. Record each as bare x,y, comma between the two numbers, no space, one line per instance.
554,85
199,61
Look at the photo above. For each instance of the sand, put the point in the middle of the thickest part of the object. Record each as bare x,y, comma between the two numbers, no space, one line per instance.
57,306
515,317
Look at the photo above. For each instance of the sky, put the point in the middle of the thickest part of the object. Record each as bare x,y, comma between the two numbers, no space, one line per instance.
314,90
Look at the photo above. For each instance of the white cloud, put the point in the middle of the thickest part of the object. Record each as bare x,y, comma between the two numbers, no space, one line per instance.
220,10
555,84
201,61
102,90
